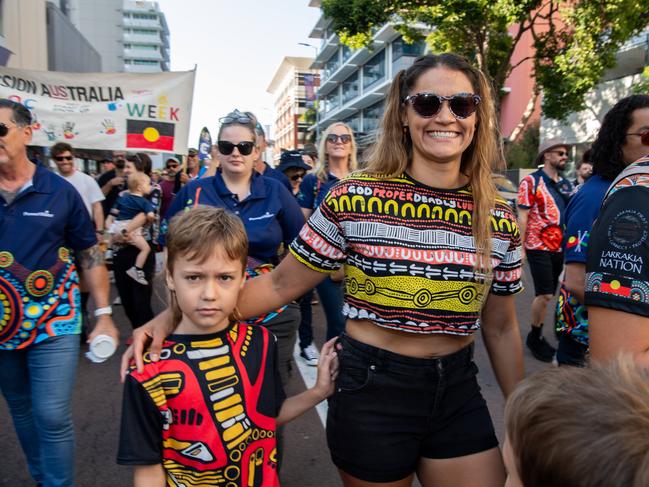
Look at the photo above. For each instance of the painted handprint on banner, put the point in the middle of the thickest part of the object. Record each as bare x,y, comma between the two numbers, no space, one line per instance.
109,127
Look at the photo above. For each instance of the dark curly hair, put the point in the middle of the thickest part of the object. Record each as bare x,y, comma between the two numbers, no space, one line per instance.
606,151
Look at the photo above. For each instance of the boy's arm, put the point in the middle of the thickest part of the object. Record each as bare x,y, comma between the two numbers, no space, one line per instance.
149,476
136,222
327,372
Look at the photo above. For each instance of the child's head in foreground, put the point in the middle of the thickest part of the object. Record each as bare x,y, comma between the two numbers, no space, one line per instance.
580,427
207,249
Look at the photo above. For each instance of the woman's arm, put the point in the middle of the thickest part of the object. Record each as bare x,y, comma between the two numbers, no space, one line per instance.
611,331
149,476
503,341
575,280
288,281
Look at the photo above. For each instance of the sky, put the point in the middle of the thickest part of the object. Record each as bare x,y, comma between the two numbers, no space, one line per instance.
237,46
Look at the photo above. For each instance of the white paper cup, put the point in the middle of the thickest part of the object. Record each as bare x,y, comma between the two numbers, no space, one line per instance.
101,348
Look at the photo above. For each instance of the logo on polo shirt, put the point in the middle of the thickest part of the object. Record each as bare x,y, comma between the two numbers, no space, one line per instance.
45,213
262,217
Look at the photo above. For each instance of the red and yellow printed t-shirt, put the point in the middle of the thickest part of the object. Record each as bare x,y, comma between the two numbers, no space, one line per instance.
409,253
546,201
206,411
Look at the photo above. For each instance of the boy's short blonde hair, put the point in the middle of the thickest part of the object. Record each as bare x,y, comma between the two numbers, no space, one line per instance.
135,179
194,233
582,427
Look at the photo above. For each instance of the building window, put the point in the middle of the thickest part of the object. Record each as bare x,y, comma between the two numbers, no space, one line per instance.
331,101
402,48
145,16
346,52
145,62
350,87
354,123
374,70
144,31
372,117
331,65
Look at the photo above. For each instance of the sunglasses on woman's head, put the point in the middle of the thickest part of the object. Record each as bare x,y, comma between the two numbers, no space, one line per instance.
226,148
235,117
344,138
427,105
644,136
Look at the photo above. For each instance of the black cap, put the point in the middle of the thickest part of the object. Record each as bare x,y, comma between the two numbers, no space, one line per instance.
290,159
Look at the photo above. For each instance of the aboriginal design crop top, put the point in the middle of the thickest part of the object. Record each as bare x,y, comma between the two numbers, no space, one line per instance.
409,253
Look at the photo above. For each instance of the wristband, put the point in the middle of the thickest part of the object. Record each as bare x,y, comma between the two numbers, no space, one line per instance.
106,310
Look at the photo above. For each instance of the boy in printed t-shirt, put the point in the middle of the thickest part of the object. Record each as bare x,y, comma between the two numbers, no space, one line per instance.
206,413
132,205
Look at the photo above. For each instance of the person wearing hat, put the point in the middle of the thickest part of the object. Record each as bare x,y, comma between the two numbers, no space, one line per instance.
192,169
294,168
542,199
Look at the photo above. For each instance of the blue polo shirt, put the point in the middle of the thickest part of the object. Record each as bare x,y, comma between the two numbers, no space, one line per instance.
313,192
39,229
270,214
582,210
271,172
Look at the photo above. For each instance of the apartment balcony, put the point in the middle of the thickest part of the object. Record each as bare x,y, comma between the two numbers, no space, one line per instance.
318,31
136,68
142,54
142,39
142,23
631,58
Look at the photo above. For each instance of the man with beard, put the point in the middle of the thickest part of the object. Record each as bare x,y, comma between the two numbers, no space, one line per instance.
112,183
542,199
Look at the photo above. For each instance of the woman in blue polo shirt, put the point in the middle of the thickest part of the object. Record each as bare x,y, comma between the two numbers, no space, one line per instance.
269,212
337,155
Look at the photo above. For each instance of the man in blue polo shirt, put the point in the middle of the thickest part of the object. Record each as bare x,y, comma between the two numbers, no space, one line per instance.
44,230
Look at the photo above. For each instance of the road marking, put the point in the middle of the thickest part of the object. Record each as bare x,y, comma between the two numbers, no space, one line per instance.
309,375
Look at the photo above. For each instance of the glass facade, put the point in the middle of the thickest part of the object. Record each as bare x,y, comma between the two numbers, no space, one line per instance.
354,123
331,65
372,116
350,87
374,70
402,48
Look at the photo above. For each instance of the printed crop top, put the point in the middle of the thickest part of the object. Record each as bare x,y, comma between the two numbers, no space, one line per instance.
409,253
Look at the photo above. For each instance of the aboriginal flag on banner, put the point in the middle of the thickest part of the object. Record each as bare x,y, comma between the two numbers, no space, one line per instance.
149,134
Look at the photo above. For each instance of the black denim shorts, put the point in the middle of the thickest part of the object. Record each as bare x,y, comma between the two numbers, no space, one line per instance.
546,268
389,411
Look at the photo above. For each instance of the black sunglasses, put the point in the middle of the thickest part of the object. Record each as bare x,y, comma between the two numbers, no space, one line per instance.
226,148
4,130
295,177
344,138
644,137
427,105
64,158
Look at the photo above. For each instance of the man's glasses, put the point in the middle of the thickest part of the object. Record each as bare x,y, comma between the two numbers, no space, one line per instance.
172,166
4,130
560,153
226,148
64,158
427,105
296,177
644,137
344,138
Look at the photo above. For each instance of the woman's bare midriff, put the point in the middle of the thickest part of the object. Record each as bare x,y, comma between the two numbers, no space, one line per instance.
404,343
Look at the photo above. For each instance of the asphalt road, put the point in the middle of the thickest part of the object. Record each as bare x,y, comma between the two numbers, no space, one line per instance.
97,405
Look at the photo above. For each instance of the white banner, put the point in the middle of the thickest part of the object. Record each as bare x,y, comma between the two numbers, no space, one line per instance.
105,111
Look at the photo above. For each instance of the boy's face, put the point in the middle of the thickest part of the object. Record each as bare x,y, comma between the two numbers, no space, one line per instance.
513,480
206,292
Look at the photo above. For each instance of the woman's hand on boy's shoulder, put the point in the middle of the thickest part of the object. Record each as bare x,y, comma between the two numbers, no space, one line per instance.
327,370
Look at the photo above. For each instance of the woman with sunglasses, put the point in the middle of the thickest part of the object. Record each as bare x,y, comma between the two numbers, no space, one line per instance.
269,212
431,255
337,155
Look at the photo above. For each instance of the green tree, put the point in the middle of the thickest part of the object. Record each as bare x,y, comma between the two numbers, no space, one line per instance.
522,153
575,42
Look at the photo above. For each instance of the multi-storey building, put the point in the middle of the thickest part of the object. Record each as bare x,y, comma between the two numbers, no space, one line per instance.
354,82
130,35
146,37
293,89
